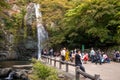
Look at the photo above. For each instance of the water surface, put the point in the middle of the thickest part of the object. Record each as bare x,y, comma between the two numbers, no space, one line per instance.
5,64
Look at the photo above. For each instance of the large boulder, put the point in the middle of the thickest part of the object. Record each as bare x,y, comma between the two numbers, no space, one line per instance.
4,72
9,74
3,56
20,74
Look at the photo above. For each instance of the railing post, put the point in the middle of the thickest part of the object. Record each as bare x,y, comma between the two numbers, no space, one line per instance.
60,65
45,58
77,73
50,61
54,63
97,77
66,67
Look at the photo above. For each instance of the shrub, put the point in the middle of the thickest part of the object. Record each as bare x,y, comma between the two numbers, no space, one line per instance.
43,72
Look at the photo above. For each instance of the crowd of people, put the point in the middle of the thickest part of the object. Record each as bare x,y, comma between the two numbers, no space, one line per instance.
99,56
95,56
70,56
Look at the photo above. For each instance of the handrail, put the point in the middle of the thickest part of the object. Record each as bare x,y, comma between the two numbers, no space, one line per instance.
77,71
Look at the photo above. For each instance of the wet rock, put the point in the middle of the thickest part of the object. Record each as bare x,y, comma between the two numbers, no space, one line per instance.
3,56
20,74
4,72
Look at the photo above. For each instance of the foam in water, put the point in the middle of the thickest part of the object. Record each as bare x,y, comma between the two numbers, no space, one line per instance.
10,76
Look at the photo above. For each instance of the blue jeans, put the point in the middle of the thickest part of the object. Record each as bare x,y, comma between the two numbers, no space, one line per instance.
92,58
81,67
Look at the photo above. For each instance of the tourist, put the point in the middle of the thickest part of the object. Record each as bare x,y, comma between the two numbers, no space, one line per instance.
51,52
78,60
92,55
85,57
105,58
98,57
75,51
117,56
67,55
45,52
72,56
63,51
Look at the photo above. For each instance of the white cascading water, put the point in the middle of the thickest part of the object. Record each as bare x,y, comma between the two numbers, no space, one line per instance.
10,76
41,32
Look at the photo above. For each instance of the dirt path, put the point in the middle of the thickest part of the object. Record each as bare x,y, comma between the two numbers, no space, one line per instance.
107,71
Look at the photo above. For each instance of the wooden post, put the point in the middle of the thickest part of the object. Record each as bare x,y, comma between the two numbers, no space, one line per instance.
77,73
50,61
97,77
60,65
54,63
45,59
66,67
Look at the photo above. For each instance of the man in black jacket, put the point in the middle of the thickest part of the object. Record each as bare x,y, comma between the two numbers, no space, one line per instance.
78,61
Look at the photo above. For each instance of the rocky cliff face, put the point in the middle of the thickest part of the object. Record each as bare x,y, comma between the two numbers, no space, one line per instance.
28,45
30,18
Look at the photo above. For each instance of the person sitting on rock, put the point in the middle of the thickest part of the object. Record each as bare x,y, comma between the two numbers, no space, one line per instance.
105,58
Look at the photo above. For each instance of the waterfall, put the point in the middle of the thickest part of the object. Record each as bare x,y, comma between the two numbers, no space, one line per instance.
10,76
41,32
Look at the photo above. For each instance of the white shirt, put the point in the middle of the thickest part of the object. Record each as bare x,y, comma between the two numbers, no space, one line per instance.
63,52
92,52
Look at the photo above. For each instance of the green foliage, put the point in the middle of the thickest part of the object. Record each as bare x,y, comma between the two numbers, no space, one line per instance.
15,22
53,10
16,26
23,2
92,21
52,77
44,72
3,6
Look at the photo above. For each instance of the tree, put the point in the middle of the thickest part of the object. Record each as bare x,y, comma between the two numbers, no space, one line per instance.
93,22
53,11
3,6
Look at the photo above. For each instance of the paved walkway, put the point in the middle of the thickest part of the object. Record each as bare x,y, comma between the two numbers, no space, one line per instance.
107,71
